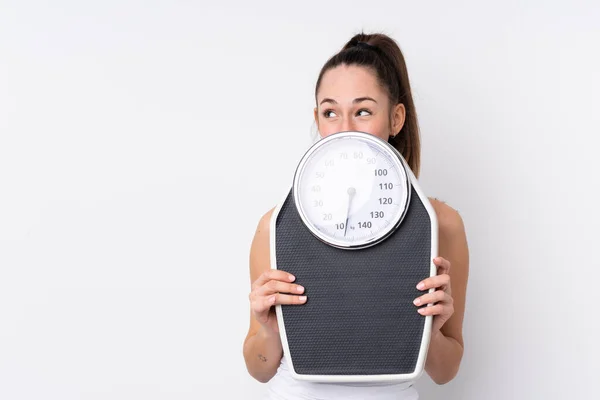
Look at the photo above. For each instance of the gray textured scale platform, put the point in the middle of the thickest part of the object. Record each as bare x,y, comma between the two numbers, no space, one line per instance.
358,233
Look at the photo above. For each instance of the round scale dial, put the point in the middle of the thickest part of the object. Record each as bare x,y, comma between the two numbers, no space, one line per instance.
351,189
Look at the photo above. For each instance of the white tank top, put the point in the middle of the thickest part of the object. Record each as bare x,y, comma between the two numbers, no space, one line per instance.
284,387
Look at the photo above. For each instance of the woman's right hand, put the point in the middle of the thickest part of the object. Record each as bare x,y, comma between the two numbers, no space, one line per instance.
273,287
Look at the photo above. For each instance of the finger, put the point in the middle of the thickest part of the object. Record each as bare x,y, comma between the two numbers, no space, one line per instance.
435,297
273,286
437,281
272,274
279,298
262,304
434,310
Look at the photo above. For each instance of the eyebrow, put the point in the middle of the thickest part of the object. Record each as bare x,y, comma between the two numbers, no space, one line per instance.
357,100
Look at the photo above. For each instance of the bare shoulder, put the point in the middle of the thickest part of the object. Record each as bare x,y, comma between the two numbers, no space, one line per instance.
450,222
453,247
260,248
264,223
453,243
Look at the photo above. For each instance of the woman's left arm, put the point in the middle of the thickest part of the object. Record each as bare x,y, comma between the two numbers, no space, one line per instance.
446,344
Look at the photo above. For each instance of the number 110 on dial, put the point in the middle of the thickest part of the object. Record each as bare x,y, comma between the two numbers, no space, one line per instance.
351,189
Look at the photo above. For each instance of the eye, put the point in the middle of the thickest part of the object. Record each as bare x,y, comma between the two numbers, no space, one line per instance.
326,113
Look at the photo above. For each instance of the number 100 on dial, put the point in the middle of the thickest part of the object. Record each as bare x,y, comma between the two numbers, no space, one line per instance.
351,189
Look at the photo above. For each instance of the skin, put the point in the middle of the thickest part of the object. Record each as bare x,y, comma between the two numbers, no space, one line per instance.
351,99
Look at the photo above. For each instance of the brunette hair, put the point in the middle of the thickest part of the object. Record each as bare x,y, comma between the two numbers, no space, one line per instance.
382,55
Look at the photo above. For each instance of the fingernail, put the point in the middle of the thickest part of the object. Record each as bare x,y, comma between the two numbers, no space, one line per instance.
292,277
299,289
272,299
417,302
421,310
421,286
302,298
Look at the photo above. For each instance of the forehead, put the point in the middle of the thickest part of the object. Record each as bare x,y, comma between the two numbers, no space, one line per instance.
349,82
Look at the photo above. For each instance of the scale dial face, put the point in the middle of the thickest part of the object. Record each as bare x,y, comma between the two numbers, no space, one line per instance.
351,189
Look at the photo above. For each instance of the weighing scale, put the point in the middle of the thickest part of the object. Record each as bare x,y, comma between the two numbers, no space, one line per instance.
358,233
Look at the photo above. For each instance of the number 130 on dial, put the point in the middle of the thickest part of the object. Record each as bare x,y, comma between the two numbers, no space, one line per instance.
351,189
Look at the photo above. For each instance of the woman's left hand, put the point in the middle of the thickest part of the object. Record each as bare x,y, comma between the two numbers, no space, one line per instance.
442,306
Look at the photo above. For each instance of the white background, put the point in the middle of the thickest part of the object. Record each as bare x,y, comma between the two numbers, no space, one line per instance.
140,142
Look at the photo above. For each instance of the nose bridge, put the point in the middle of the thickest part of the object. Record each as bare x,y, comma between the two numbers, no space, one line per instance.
347,123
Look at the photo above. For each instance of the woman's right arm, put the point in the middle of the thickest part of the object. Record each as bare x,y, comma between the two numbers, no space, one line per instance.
262,346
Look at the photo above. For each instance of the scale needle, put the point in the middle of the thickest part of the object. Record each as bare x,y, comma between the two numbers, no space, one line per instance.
351,192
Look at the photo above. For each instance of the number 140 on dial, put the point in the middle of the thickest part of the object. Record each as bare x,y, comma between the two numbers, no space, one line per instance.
351,190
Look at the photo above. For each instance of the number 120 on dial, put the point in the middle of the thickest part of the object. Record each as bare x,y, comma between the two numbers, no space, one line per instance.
351,189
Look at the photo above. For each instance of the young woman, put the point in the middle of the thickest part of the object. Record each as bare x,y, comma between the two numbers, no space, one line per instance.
364,87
